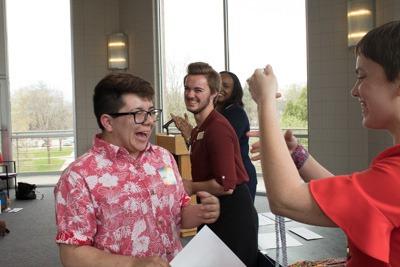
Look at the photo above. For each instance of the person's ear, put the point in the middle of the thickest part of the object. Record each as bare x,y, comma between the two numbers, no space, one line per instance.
215,100
106,120
214,97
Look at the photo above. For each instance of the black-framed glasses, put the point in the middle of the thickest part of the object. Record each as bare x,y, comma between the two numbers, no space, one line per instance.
140,116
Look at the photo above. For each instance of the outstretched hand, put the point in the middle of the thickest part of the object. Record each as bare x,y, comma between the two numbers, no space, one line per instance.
183,125
210,208
255,147
291,142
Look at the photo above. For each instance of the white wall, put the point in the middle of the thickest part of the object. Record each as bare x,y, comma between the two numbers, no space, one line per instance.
336,136
92,21
3,47
5,117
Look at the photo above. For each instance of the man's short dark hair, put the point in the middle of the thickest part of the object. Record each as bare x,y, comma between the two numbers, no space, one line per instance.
108,93
382,45
201,68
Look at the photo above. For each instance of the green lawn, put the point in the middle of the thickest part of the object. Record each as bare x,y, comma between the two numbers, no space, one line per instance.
40,160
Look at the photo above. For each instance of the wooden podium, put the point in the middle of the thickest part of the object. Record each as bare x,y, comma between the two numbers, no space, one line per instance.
177,146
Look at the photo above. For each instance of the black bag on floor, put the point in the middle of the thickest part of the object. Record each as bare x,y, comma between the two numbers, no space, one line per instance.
26,191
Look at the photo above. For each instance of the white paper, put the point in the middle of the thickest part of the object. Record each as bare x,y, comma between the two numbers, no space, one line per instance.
305,233
268,241
271,216
15,210
263,220
206,250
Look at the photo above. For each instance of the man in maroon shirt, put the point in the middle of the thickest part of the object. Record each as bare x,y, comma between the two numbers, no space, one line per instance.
217,165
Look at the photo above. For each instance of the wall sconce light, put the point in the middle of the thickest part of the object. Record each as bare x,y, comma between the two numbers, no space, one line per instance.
117,48
360,19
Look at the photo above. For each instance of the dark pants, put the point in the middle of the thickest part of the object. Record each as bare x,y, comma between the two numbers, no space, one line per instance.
251,172
252,184
237,225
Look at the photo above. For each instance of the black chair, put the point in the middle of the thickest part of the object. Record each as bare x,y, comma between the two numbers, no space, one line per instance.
9,172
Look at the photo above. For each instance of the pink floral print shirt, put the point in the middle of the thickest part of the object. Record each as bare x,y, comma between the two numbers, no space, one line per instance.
109,200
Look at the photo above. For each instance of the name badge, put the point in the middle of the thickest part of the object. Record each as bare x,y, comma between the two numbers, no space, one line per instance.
200,135
167,175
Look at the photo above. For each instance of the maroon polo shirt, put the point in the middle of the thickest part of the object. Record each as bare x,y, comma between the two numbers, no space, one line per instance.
215,153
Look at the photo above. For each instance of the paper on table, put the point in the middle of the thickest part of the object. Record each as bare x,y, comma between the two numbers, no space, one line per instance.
15,210
263,220
272,216
305,233
206,250
267,241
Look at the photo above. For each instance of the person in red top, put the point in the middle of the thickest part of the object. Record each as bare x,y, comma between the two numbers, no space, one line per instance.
123,202
364,204
217,166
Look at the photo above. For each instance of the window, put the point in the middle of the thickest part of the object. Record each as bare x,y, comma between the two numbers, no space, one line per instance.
269,32
193,31
258,32
40,73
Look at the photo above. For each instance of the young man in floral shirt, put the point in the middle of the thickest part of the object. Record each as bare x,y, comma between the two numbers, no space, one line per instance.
123,203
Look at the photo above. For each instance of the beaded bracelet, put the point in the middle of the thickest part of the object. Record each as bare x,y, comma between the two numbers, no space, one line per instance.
299,156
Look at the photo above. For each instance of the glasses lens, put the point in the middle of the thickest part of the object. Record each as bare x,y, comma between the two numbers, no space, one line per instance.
155,114
140,116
